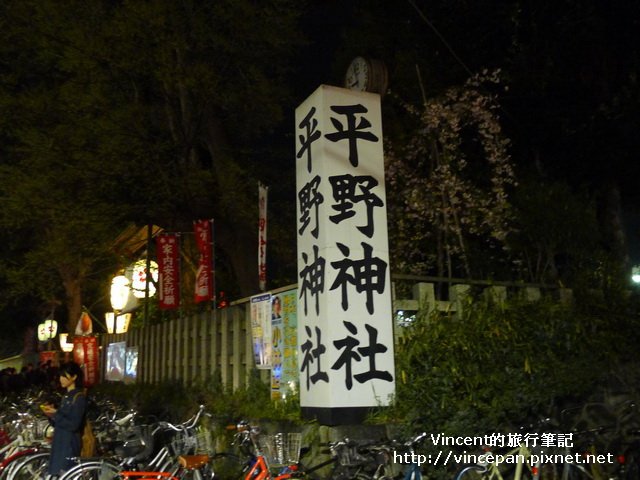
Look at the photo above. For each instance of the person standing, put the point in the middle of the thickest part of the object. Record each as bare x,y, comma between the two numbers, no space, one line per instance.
68,420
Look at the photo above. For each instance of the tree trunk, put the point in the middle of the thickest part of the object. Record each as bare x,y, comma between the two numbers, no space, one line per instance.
73,293
238,235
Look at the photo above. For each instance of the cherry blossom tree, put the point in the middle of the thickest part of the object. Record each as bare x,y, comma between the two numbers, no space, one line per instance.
448,183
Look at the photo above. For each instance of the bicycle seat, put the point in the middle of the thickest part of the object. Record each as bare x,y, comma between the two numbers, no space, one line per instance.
192,462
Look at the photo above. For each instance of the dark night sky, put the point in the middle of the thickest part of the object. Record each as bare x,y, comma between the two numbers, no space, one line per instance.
572,66
573,106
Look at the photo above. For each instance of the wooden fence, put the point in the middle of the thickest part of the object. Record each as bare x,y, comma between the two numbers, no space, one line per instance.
192,349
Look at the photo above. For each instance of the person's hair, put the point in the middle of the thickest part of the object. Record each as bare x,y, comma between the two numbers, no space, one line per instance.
72,368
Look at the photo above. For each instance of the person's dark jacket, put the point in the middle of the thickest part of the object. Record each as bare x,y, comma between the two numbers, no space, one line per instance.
68,422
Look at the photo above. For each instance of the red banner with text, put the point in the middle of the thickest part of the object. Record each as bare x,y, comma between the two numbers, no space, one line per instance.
85,354
204,276
168,254
262,237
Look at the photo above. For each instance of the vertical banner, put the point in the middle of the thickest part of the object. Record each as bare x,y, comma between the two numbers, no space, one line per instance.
262,236
345,330
284,364
203,230
85,354
167,252
261,329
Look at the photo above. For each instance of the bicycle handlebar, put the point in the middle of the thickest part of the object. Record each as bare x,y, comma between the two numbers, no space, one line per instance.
191,423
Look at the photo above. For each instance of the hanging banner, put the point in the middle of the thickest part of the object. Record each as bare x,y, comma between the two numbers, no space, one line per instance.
345,329
284,355
167,252
262,236
204,285
85,354
261,329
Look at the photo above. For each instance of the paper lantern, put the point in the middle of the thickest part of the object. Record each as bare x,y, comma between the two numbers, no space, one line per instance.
64,344
119,292
117,324
47,330
139,278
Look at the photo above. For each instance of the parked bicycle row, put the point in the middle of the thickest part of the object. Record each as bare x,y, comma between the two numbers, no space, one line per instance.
131,445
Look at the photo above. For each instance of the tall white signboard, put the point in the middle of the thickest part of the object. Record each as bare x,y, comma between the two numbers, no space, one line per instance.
345,331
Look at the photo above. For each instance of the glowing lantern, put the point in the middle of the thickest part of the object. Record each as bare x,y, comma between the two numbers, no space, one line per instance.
117,324
65,345
47,330
119,292
139,278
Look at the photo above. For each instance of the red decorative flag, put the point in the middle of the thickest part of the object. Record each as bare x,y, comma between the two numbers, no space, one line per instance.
85,354
204,276
262,237
167,252
84,325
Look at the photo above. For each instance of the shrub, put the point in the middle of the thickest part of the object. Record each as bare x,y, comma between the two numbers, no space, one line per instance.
496,366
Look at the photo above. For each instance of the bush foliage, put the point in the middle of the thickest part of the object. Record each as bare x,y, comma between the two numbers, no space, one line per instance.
491,369
176,402
498,366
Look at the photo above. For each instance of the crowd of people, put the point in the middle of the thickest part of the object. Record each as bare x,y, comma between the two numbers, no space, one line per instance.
43,375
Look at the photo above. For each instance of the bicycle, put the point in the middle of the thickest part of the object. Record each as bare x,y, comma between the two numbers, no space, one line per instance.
29,435
273,457
137,453
497,466
412,471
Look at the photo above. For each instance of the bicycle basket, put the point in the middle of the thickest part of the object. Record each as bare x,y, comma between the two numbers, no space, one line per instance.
282,448
204,441
40,428
183,442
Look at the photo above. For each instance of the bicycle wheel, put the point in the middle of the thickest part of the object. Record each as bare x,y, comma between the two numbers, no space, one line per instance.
30,467
10,465
92,470
227,466
10,462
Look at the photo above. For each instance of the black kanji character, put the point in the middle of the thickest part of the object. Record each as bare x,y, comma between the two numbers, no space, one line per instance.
312,276
371,351
310,135
349,189
367,275
348,346
309,197
352,132
310,355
